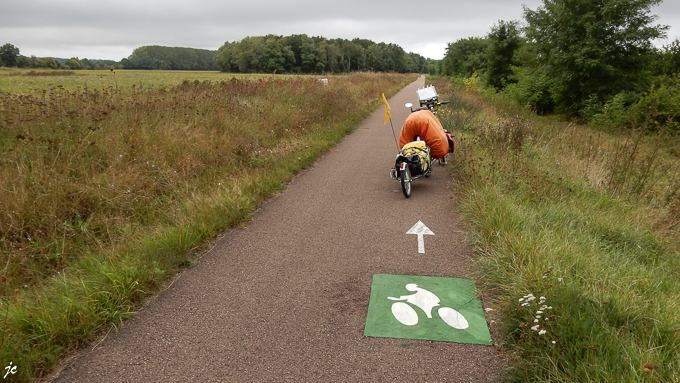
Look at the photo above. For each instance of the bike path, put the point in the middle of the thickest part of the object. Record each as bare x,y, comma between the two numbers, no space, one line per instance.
285,298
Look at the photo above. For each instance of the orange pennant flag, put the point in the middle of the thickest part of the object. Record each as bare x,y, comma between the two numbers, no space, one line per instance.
387,109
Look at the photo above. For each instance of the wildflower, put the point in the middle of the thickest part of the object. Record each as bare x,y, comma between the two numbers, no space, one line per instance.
542,332
559,279
539,312
488,309
534,328
553,342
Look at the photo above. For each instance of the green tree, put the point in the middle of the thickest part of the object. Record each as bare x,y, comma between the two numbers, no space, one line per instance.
73,63
592,49
34,62
86,64
51,63
667,61
308,54
275,55
22,62
465,57
334,57
503,41
9,54
321,56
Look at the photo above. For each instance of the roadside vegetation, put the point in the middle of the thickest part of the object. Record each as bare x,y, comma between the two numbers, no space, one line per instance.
567,169
106,195
576,230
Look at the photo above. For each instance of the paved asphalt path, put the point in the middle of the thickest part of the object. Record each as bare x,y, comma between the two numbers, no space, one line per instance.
285,298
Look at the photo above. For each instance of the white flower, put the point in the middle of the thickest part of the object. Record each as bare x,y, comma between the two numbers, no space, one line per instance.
539,312
488,309
559,279
553,342
521,299
538,317
535,320
542,332
534,328
525,304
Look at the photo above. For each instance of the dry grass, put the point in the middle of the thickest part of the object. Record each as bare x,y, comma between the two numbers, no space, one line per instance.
105,195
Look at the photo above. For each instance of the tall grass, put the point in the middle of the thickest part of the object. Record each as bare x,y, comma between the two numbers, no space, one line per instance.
576,232
106,195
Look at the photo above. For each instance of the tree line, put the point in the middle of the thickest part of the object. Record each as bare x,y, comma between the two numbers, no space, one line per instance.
10,57
591,59
170,58
258,54
304,54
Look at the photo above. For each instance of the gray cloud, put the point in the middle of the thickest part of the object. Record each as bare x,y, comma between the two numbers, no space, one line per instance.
111,30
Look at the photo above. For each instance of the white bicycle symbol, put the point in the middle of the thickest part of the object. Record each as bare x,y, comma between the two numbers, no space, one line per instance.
426,301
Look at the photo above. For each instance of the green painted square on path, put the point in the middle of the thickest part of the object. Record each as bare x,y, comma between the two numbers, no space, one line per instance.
456,312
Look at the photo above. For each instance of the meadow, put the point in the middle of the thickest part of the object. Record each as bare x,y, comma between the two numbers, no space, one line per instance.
576,233
39,82
107,192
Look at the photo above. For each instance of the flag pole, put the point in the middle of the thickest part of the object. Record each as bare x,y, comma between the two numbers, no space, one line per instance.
388,116
393,134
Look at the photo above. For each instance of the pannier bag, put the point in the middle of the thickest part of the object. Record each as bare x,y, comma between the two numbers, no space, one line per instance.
415,154
452,143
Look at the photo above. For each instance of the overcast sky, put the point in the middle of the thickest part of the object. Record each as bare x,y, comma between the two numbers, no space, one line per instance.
113,29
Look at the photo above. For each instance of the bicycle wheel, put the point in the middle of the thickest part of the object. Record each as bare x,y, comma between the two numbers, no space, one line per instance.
405,314
405,178
453,318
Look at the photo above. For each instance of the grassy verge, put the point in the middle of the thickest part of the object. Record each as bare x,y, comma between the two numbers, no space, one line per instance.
576,232
105,196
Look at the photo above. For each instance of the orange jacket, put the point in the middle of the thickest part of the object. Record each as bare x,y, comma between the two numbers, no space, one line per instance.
426,125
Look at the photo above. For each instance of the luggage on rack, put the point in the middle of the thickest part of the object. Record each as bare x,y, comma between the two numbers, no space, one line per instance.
425,125
415,154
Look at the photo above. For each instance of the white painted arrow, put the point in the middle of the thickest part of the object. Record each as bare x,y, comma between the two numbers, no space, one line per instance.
420,229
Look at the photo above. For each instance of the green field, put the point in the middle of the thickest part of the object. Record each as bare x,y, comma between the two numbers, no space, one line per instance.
35,81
